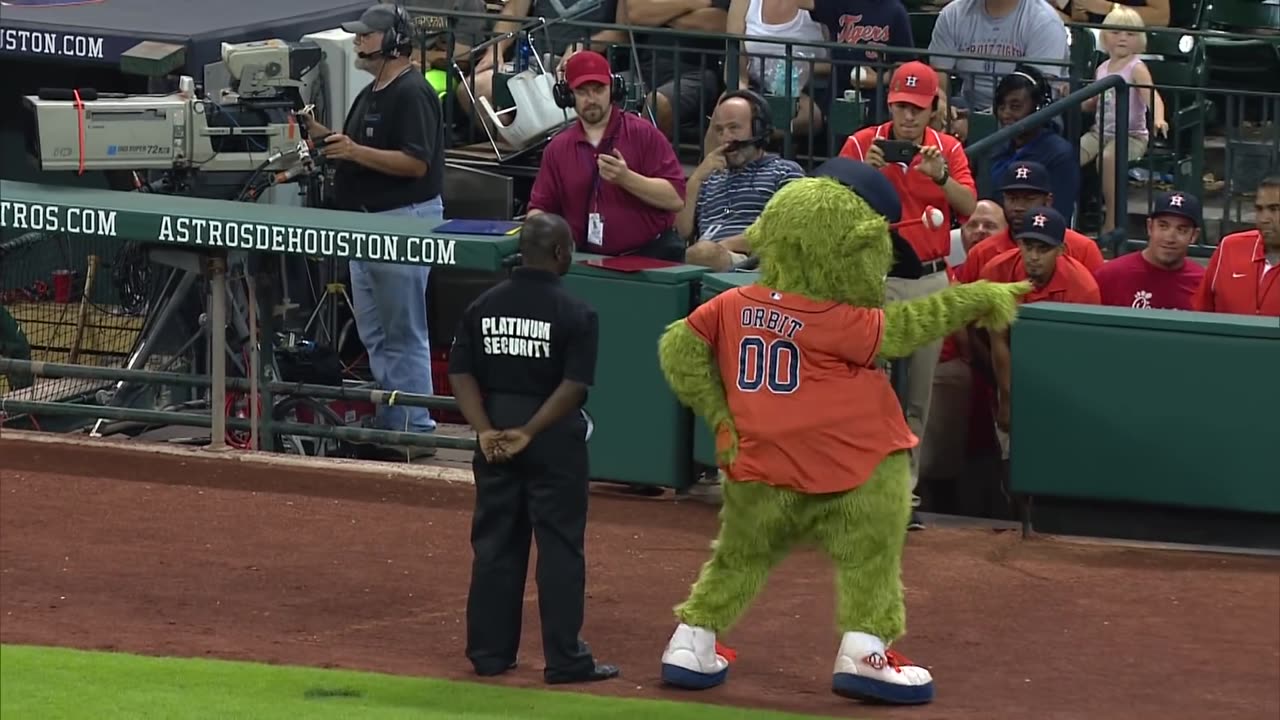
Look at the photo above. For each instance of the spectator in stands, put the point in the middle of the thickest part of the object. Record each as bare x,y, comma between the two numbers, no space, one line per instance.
1243,276
952,117
864,22
942,447
1123,48
684,75
1154,12
1019,94
612,176
389,158
558,39
762,65
730,187
1003,28
938,176
1026,185
1039,258
986,220
1160,276
432,58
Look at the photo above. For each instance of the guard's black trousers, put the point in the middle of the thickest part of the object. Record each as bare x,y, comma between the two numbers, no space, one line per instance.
541,492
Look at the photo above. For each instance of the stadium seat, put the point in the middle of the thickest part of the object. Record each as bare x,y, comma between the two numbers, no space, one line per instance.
1243,63
1179,61
1185,13
922,28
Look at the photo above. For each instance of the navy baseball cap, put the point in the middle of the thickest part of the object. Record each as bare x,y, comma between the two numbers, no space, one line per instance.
1178,203
1044,224
875,189
1026,175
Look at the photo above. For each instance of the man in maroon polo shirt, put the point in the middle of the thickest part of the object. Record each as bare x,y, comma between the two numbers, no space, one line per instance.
612,175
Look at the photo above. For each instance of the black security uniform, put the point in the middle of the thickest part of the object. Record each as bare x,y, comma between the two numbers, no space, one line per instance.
520,340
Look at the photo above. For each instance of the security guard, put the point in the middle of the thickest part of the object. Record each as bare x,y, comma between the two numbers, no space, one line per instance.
523,357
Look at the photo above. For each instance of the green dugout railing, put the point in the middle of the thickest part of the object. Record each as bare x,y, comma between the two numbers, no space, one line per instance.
1145,406
642,433
213,228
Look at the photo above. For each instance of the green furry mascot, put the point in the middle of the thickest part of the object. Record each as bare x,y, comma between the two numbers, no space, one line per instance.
809,434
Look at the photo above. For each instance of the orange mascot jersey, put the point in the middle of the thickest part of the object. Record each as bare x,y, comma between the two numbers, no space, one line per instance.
812,411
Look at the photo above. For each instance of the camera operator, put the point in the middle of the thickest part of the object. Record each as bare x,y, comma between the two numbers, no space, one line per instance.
390,159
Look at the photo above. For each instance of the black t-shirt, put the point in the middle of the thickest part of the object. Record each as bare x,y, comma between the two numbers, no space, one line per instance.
525,336
405,116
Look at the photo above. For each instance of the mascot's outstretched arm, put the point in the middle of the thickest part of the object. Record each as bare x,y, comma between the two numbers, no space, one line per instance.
912,324
690,368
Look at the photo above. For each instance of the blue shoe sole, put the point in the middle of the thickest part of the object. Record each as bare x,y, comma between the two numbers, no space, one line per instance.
856,687
689,680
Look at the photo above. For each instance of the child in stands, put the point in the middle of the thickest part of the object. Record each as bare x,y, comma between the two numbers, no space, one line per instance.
1123,48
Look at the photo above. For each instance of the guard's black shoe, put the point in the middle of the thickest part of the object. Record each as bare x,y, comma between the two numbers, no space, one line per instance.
601,671
493,670
915,523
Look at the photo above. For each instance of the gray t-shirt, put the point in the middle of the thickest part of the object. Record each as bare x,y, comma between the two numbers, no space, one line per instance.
1032,31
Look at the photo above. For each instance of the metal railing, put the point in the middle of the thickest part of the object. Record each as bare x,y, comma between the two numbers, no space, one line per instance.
258,425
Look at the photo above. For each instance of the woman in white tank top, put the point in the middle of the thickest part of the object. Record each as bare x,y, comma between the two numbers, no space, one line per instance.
762,65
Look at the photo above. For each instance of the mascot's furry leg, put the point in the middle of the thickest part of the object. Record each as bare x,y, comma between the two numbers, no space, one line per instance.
863,533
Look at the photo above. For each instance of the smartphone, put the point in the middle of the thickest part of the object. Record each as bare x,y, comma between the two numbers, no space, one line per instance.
897,151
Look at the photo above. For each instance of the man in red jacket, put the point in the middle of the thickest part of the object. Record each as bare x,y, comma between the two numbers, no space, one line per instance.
933,172
1243,276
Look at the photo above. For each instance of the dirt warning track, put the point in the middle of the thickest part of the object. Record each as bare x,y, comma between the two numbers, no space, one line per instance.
102,547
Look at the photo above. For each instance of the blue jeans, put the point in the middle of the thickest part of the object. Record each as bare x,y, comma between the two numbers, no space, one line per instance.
391,317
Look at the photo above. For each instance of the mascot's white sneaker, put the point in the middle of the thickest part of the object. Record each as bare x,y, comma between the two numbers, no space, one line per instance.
694,660
867,670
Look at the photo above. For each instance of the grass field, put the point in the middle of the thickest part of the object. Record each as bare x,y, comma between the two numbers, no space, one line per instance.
53,683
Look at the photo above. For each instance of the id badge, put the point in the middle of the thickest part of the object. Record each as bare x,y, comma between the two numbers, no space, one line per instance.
595,229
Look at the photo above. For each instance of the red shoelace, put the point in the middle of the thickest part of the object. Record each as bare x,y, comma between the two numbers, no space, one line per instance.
726,652
897,661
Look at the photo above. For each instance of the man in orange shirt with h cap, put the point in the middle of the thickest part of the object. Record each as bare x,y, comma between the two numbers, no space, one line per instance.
1041,258
927,168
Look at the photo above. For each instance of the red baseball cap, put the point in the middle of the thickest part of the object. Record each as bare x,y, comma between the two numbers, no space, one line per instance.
914,83
585,67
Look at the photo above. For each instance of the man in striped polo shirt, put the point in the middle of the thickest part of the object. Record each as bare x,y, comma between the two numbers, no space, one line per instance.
729,189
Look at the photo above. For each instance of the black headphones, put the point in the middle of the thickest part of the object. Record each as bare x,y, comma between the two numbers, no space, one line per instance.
563,94
761,116
1041,93
399,37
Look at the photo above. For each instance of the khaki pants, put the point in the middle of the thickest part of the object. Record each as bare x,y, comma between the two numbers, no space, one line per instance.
920,365
943,449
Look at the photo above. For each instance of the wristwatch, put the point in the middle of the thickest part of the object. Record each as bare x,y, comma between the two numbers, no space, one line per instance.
945,175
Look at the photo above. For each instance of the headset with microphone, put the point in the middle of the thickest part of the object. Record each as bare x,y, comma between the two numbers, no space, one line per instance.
761,121
396,40
563,94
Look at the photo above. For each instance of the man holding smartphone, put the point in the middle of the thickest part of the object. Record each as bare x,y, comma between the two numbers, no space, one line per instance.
928,168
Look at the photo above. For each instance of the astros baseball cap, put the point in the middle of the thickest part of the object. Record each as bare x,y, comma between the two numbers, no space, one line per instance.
1026,175
1180,204
914,83
378,18
584,67
1044,224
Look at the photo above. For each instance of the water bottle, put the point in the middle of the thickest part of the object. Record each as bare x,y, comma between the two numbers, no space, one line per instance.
524,52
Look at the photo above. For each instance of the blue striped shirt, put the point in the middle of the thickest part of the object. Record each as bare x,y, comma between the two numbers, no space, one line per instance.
730,200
